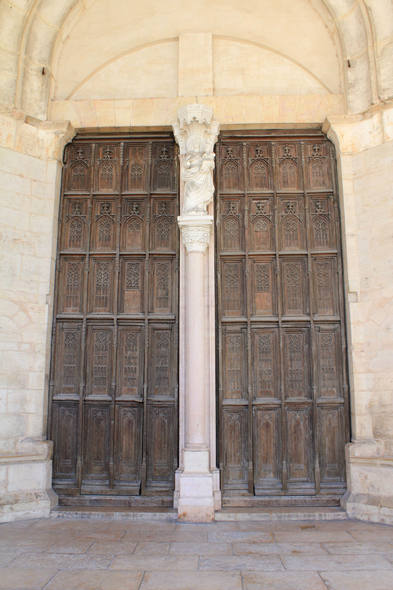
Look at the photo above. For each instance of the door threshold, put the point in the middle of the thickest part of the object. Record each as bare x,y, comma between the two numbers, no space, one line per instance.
280,513
116,512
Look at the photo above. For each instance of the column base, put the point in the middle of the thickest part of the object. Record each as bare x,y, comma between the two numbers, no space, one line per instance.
195,488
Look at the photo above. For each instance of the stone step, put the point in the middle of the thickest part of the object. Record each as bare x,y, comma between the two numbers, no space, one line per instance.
115,513
280,513
226,514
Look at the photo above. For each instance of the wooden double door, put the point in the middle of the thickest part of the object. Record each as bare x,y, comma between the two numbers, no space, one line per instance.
282,387
282,392
114,391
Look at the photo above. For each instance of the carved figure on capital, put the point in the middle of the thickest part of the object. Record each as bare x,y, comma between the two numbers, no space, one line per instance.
197,174
196,134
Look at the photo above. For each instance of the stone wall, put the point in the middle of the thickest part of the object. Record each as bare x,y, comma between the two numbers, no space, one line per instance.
29,196
365,147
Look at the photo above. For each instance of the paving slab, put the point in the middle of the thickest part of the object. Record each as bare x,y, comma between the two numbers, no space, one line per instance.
28,579
217,580
314,536
240,536
282,581
115,548
153,548
201,549
336,562
244,562
60,561
168,536
140,563
101,580
278,548
365,580
383,548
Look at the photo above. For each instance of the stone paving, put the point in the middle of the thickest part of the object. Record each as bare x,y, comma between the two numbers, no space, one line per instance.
88,554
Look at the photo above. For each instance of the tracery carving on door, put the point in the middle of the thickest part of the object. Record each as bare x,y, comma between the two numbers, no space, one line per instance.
114,390
283,394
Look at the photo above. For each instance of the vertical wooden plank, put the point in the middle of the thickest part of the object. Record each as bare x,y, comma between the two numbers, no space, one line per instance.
280,327
312,311
80,446
248,314
146,308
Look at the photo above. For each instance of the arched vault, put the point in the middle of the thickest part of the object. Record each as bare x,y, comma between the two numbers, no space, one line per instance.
32,33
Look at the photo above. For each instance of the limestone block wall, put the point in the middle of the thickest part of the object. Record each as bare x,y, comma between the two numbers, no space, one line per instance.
366,157
29,190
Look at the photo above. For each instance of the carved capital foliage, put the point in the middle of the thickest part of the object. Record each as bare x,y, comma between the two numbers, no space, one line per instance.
196,233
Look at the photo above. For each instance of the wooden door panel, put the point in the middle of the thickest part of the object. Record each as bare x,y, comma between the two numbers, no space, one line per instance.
234,361
264,286
235,435
74,212
281,343
267,450
68,360
65,420
160,456
96,448
128,449
331,428
130,371
114,374
265,355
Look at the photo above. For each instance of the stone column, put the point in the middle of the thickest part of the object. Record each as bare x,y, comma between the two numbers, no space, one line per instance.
197,491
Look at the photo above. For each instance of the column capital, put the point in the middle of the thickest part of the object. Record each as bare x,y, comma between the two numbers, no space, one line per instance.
195,232
195,120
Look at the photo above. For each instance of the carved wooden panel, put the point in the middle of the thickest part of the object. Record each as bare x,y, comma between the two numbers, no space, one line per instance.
234,361
292,226
96,431
75,224
160,462
104,226
130,371
331,434
77,171
300,448
128,445
267,449
134,224
264,287
114,375
262,225
294,286
325,286
102,273
161,368
107,167
68,360
281,332
65,422
136,167
164,230
132,276
235,439
232,286
266,369
231,224
296,363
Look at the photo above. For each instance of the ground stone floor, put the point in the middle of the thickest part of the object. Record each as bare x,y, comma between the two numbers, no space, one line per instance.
138,554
